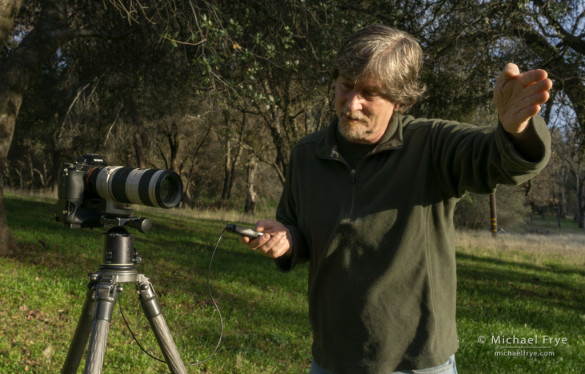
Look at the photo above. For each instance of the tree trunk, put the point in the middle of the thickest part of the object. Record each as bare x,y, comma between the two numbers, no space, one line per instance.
6,240
493,215
228,172
581,203
190,178
139,151
562,202
250,205
17,74
8,11
232,163
22,67
581,214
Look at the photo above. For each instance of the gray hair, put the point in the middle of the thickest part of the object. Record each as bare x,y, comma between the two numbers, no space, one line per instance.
388,54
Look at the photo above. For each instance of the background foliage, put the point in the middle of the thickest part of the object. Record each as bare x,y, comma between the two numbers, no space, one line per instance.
220,91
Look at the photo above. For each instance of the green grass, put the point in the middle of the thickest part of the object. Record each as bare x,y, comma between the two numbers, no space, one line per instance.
500,293
43,288
501,298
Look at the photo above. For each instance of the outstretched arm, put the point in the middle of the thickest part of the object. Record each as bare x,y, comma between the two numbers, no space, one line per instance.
518,98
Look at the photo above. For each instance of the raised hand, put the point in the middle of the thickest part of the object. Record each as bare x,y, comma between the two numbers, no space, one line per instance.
518,96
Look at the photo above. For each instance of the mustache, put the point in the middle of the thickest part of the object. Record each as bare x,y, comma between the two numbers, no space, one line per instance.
354,116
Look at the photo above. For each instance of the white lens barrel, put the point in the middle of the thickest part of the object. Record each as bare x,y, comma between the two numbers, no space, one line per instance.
139,186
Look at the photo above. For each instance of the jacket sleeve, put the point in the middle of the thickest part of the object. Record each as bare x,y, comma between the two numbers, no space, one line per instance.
477,159
286,214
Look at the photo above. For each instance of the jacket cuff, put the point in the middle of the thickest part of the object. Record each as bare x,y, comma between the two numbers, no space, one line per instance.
514,158
287,263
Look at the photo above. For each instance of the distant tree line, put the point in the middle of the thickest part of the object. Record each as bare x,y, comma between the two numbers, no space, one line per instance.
219,91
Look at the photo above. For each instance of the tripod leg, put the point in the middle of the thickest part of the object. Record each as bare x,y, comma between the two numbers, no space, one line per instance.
82,331
153,312
106,294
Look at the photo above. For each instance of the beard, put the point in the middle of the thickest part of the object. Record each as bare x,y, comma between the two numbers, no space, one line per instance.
353,127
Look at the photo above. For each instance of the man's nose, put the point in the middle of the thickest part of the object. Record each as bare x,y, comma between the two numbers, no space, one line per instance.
354,102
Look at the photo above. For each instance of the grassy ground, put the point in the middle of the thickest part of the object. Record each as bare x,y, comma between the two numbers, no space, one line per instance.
521,303
509,291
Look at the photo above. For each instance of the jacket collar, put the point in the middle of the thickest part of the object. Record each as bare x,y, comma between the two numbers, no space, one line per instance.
392,139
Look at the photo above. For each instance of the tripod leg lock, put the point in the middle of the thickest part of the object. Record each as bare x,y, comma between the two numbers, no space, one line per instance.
105,295
148,299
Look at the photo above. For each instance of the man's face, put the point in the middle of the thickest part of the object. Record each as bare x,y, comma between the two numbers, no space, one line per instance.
363,111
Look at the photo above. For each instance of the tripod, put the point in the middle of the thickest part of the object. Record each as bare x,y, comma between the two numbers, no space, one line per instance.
104,287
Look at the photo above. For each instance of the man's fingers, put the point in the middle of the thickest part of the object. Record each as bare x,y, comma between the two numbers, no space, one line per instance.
259,241
536,94
275,241
261,225
509,72
537,98
512,72
280,247
532,76
530,88
542,85
270,245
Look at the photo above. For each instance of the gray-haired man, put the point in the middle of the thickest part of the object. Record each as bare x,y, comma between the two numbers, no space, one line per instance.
369,202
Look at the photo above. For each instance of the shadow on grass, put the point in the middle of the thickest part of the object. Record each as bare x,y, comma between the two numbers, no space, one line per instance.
518,299
519,293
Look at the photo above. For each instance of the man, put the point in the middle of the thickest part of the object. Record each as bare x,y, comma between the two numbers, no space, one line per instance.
369,202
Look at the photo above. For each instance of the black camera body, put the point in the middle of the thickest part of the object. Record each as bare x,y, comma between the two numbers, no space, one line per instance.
91,192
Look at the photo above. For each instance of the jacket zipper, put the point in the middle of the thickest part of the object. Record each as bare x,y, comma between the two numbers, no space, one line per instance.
349,214
352,191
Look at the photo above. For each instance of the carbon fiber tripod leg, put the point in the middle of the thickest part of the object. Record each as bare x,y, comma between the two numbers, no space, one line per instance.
82,331
153,312
106,294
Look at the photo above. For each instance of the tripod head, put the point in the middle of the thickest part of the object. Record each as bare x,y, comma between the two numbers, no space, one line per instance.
142,224
119,252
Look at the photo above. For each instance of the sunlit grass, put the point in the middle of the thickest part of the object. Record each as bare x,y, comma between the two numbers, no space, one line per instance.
566,248
514,285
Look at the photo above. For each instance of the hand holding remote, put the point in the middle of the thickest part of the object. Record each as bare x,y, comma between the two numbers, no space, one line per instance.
278,243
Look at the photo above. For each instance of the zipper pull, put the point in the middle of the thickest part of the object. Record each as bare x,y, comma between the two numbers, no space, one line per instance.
353,173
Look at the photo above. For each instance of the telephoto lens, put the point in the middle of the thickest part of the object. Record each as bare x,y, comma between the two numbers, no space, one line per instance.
152,187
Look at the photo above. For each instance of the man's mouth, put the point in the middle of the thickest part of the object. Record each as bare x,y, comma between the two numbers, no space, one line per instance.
353,117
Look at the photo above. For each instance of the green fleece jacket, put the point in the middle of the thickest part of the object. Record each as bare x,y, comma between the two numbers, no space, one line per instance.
380,236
